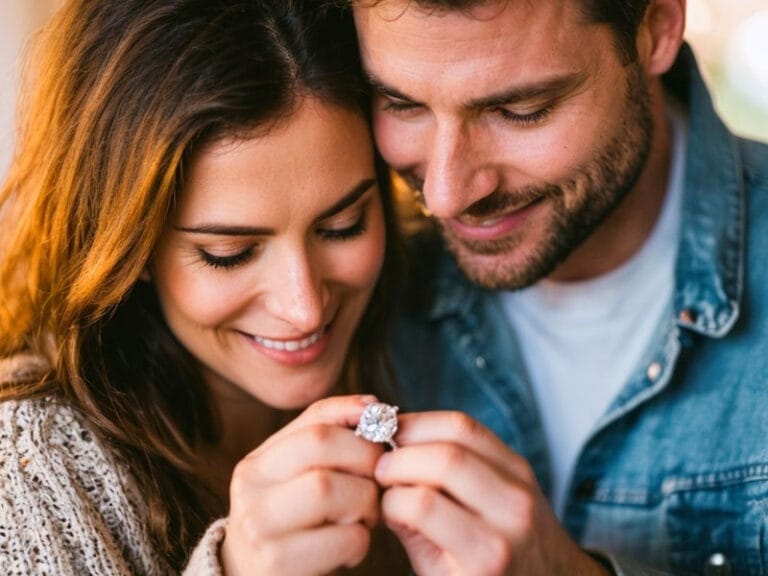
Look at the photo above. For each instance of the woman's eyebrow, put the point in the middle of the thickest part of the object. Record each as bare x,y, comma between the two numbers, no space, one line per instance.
226,230
349,198
237,230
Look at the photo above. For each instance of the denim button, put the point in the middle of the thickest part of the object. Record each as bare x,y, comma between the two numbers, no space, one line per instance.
718,565
480,362
653,372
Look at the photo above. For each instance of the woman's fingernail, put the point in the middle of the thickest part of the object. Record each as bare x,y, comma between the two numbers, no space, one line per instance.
382,465
368,398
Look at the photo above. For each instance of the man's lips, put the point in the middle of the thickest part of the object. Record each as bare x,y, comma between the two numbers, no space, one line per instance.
495,226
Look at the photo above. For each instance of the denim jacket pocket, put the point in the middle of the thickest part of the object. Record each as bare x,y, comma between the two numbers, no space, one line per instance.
717,522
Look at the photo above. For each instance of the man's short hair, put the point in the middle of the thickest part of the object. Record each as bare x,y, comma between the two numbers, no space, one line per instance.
623,16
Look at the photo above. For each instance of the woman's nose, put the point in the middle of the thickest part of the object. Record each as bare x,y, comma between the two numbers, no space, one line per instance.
298,294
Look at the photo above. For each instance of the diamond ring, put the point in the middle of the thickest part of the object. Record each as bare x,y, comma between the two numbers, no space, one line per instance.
378,423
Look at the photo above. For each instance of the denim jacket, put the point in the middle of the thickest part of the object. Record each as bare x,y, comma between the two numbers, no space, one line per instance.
674,477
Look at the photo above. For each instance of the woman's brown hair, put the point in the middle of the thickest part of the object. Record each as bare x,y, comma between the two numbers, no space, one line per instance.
123,92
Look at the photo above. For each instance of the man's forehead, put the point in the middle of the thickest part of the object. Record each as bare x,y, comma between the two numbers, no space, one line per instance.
512,52
399,27
486,10
484,19
394,8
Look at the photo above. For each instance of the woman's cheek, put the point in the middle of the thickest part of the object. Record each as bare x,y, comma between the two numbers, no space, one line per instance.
202,297
368,260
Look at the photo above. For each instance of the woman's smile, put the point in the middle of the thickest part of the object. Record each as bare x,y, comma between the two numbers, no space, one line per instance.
292,351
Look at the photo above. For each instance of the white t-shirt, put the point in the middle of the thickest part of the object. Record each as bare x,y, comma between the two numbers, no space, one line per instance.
581,341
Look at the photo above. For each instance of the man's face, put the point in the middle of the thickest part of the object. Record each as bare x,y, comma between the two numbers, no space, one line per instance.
517,121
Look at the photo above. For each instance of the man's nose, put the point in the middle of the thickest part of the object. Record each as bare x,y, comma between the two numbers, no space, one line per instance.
459,171
298,294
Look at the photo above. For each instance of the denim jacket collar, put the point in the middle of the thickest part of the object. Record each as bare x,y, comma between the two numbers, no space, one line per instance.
710,261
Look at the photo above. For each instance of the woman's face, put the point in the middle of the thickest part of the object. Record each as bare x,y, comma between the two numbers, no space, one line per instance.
271,255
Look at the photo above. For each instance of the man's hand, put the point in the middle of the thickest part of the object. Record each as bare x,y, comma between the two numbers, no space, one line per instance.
463,503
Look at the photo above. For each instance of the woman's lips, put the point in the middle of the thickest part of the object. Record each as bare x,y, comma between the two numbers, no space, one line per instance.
494,227
292,352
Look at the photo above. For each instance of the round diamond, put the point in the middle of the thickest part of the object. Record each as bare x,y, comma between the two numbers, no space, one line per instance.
378,423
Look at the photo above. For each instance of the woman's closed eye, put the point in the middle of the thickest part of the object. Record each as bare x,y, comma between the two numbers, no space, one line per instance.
226,261
346,225
342,229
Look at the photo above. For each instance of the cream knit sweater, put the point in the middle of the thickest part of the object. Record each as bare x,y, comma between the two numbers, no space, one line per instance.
68,507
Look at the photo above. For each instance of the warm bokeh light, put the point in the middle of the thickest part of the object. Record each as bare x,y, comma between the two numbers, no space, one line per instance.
731,41
746,58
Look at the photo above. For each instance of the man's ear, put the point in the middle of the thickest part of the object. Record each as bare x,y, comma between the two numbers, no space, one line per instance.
660,35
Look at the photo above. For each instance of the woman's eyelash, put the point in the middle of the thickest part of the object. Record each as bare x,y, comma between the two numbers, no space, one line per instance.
344,233
235,260
226,261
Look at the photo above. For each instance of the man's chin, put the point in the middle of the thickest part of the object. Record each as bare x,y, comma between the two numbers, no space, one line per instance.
510,262
496,271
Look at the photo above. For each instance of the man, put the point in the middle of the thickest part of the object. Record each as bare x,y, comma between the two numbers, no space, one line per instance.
611,313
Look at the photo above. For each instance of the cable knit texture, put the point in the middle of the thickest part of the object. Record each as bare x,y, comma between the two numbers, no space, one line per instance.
69,507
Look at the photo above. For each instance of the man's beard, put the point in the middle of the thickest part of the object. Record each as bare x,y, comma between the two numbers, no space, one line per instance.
594,191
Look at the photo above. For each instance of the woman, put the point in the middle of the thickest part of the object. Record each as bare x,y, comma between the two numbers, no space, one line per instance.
192,243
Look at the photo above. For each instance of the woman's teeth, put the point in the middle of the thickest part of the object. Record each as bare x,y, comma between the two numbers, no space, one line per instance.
289,345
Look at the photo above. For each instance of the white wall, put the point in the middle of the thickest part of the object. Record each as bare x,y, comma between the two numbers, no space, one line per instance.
18,20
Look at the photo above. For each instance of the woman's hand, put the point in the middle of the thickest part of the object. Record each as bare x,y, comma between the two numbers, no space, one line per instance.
462,503
305,500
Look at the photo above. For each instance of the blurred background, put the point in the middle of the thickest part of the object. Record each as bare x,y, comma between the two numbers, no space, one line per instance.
730,38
